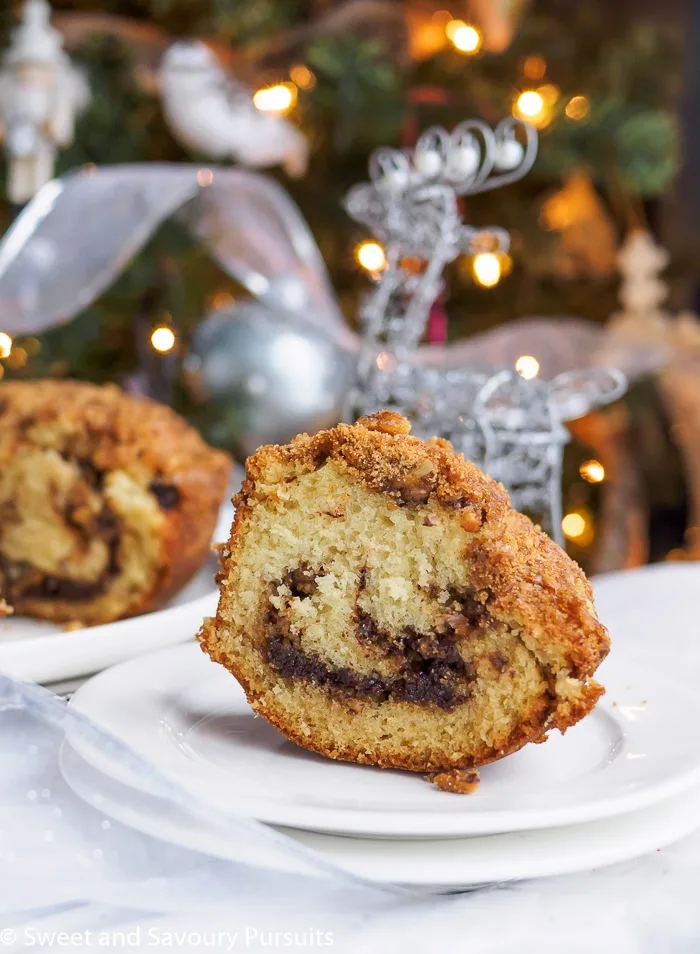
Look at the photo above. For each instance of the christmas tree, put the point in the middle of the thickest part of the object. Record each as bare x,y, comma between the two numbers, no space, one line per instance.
366,74
600,85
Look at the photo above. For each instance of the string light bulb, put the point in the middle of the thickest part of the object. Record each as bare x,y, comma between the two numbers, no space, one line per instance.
17,358
275,99
163,339
549,93
592,471
32,345
487,269
574,526
527,366
463,36
578,107
530,105
5,345
302,76
534,67
370,255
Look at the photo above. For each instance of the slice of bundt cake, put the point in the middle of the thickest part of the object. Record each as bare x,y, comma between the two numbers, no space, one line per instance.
107,502
381,602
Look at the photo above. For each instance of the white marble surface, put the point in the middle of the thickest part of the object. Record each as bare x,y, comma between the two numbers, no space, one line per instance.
646,907
65,868
72,878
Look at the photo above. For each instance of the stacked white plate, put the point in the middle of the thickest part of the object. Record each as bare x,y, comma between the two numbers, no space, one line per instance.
624,782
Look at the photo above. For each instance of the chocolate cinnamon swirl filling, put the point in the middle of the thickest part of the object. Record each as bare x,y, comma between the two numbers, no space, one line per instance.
432,672
19,580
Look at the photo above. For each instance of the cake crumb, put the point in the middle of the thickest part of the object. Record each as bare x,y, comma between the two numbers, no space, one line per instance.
457,781
73,625
5,610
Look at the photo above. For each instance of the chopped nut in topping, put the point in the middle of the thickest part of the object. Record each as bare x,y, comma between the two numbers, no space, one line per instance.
388,422
423,469
470,521
440,442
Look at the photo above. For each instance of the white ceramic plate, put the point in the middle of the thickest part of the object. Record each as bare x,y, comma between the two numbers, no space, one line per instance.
38,651
445,864
42,652
191,720
456,863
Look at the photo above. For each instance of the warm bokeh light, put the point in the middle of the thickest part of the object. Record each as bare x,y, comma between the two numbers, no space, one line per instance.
527,366
578,107
574,526
592,471
205,177
275,99
370,255
32,345
534,67
442,16
5,344
530,104
549,93
221,300
163,339
302,76
487,269
386,361
463,36
17,358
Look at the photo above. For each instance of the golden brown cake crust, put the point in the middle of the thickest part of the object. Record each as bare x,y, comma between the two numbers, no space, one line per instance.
116,432
521,565
527,577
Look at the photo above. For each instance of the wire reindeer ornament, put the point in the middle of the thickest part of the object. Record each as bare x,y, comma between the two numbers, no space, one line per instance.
512,427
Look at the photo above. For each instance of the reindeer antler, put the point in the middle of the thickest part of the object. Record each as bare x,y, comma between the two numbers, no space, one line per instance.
411,206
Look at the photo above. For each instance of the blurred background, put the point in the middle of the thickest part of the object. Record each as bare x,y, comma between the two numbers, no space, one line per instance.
604,229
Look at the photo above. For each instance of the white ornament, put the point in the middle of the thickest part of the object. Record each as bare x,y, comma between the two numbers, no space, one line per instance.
428,162
508,154
41,95
463,161
396,180
209,111
392,172
640,262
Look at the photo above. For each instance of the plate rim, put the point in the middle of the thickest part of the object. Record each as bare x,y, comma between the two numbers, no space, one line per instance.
398,824
646,830
51,657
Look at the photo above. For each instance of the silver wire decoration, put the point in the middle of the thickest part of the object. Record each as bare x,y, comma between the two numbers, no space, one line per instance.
511,427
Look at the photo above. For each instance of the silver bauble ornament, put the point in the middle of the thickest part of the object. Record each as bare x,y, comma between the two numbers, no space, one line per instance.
260,378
